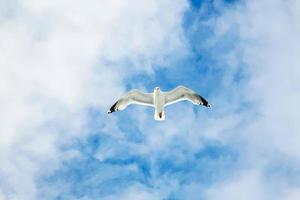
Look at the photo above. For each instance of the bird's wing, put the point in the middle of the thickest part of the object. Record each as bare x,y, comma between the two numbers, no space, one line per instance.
132,97
181,93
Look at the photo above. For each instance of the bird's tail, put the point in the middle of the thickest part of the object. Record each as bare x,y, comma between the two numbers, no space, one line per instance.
159,115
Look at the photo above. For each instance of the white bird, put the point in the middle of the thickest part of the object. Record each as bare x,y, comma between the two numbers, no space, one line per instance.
158,100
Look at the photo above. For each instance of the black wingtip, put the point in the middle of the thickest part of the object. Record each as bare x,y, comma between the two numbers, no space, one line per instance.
205,103
112,108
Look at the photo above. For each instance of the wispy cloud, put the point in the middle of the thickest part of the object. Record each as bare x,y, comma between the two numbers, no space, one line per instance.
265,40
60,59
63,63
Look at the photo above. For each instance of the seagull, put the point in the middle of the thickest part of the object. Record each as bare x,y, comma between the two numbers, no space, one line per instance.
158,100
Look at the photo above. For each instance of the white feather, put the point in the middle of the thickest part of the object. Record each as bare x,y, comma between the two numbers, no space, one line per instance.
158,100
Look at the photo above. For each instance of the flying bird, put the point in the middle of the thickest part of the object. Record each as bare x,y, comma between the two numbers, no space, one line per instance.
158,100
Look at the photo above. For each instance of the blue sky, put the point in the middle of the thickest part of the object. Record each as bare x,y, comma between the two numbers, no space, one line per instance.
64,64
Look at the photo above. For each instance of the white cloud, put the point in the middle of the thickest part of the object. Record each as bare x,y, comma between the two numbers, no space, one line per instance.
274,66
59,58
266,131
247,186
137,192
267,36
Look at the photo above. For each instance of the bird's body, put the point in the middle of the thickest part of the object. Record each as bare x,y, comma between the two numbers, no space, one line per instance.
159,104
158,100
